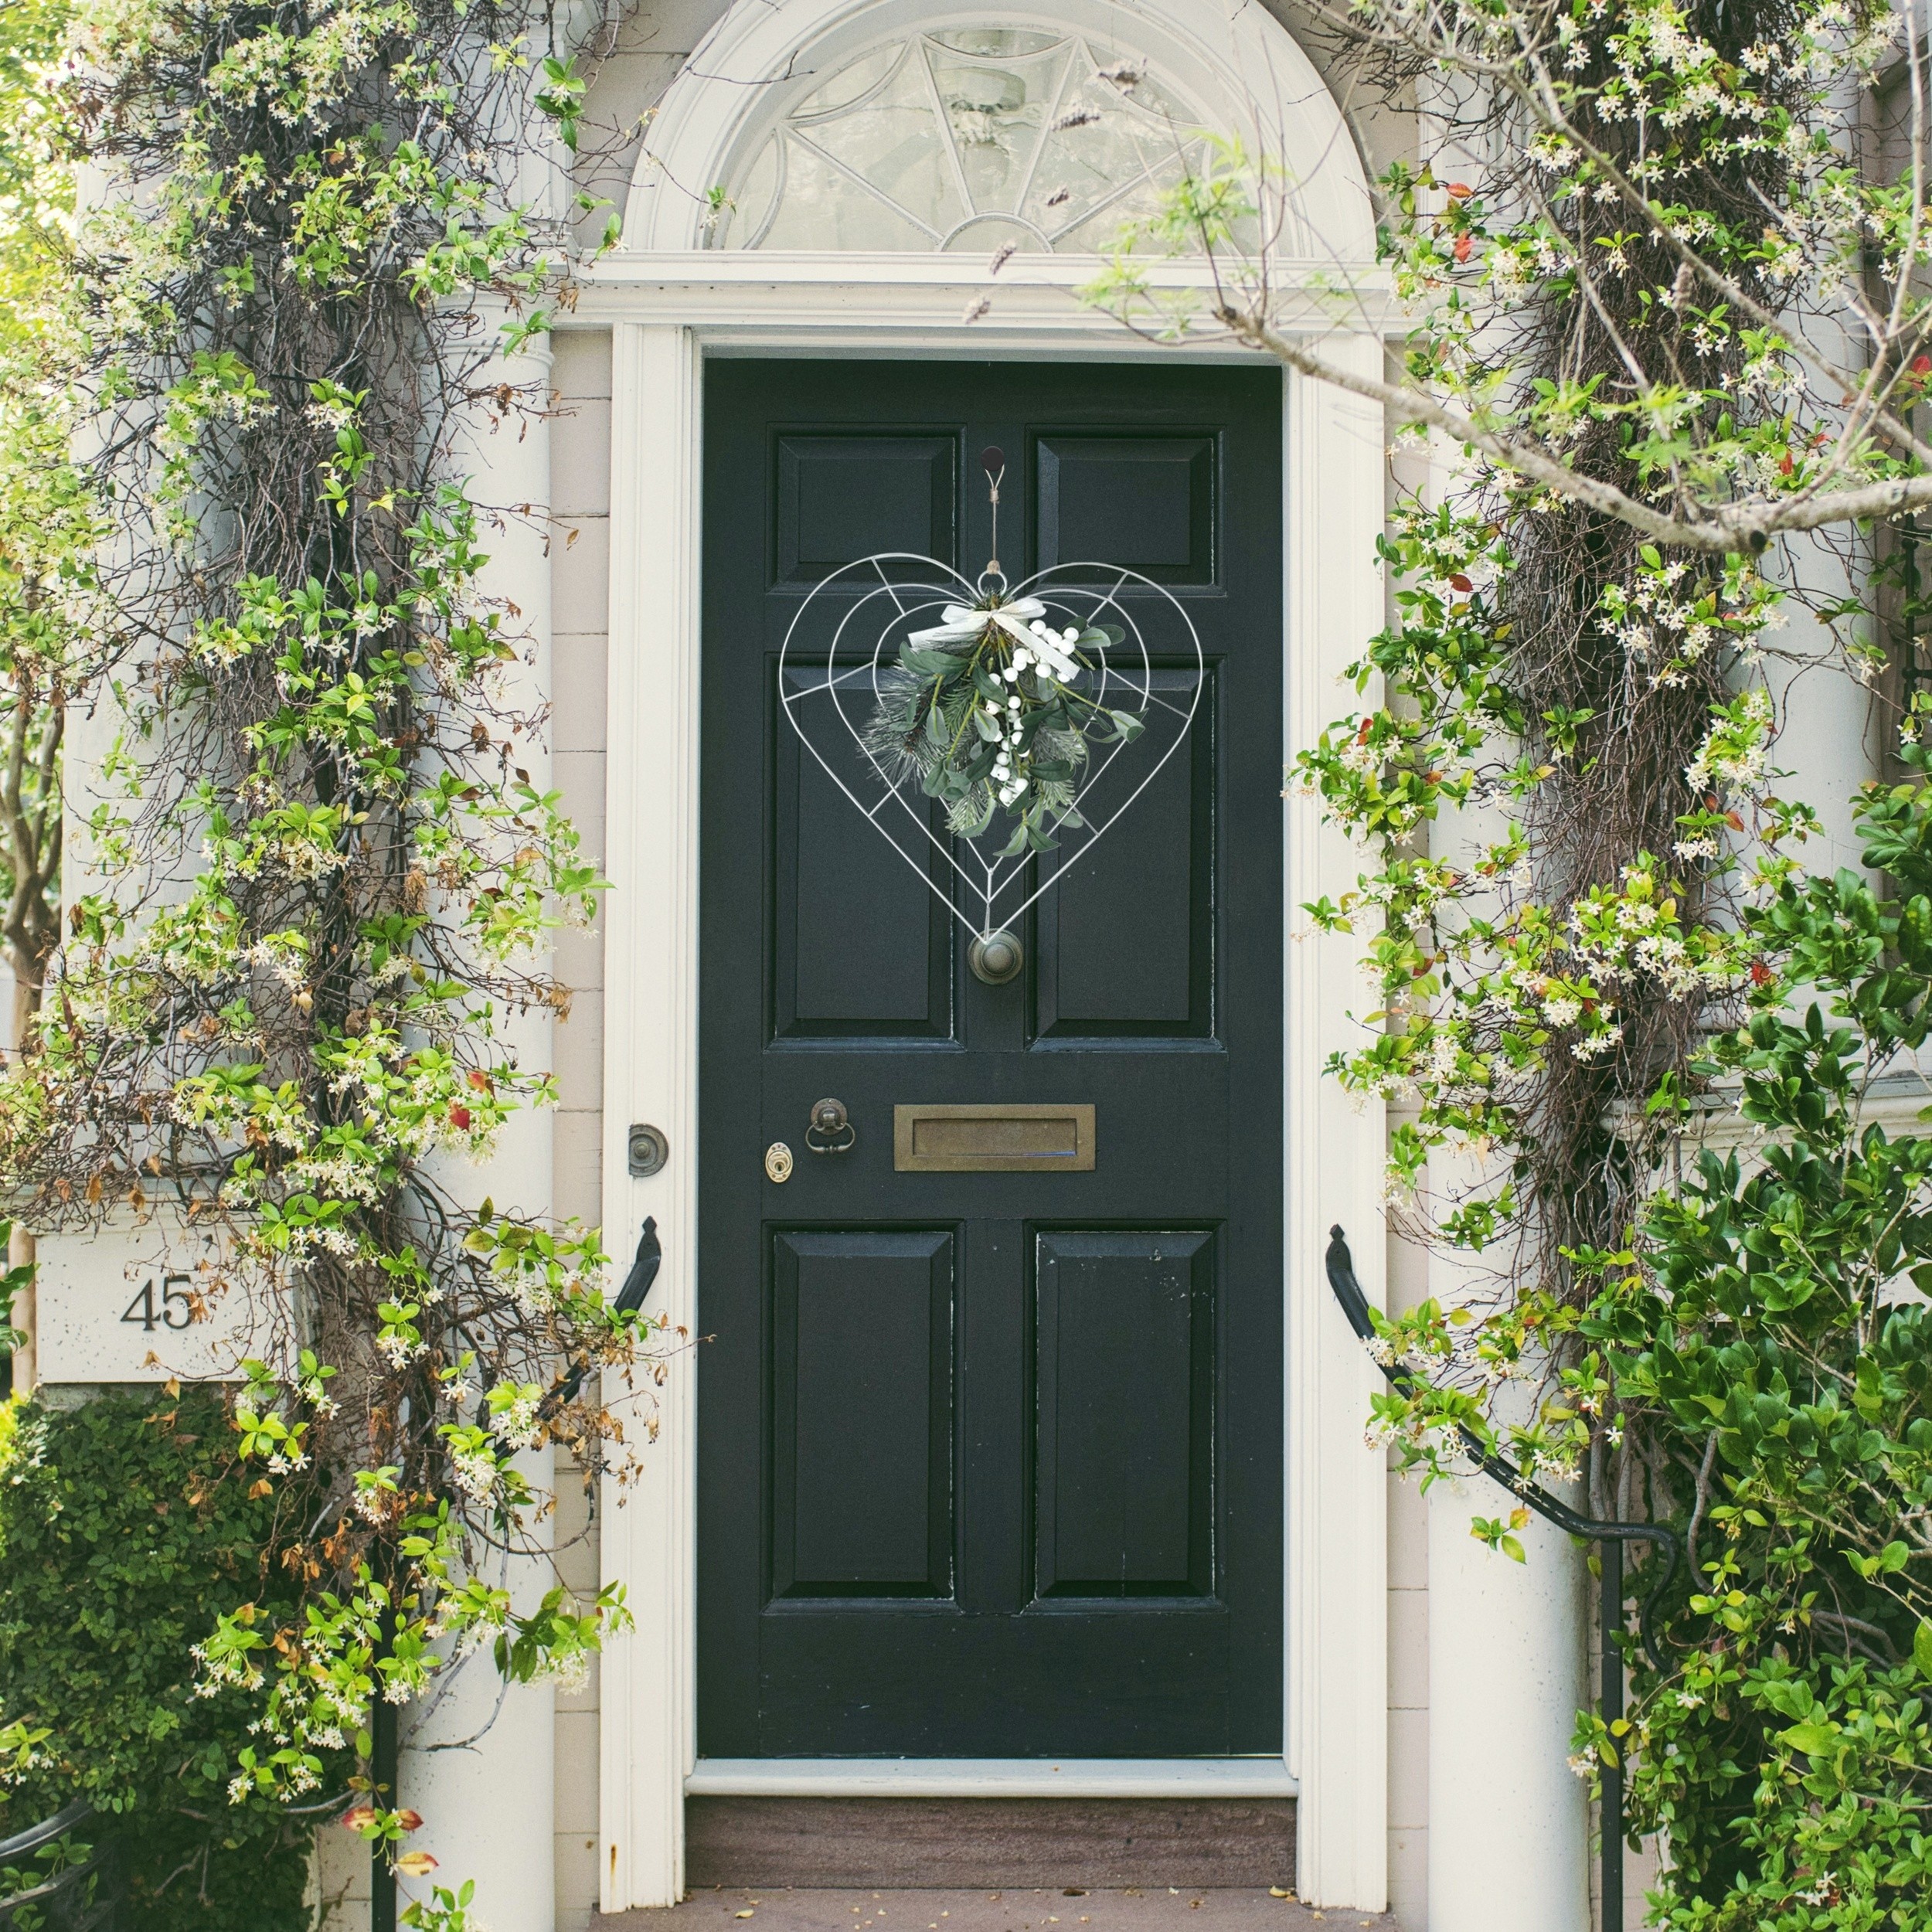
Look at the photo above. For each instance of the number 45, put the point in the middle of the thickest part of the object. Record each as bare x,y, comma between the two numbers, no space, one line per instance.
177,1307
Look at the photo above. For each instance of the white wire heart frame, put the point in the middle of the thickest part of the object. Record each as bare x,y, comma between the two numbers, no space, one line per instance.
867,636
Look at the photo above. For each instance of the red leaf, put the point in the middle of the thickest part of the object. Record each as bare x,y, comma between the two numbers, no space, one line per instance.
1459,191
1461,583
479,1079
459,1116
1464,243
1761,973
1784,463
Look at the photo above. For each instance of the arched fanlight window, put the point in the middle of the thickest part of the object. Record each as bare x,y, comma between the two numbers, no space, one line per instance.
967,138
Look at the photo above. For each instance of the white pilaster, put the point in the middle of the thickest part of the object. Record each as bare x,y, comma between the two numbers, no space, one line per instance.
1337,1542
480,1765
1508,1844
648,1737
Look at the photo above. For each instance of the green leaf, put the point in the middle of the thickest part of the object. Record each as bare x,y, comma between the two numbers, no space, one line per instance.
1922,1648
975,822
1814,1740
928,664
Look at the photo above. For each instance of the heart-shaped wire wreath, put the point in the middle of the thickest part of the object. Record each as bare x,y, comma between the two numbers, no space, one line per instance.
1009,704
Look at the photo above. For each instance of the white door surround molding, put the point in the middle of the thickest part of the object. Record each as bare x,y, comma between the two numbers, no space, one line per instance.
670,304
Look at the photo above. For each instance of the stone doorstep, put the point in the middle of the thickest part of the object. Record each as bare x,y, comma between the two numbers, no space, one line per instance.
1135,1908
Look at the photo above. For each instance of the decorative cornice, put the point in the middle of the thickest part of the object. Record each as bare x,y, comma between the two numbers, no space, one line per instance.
757,293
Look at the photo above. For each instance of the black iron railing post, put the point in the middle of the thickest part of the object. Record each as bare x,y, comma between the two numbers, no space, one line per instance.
1609,1537
384,1771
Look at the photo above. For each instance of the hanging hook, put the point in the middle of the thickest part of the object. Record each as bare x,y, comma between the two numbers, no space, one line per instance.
992,460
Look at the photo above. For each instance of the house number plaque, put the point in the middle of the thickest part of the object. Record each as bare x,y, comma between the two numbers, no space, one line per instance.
144,1303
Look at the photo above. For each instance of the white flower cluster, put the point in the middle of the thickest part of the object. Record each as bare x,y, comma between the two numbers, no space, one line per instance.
214,1673
1731,759
1049,656
571,1672
400,1348
476,1473
1667,626
517,1426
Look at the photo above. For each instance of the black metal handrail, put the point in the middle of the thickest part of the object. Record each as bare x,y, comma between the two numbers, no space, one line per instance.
45,1832
66,1901
1611,1536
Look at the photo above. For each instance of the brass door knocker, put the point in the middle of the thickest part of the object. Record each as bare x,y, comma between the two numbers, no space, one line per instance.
830,1130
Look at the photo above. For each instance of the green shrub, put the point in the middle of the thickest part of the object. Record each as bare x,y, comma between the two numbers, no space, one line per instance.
125,1528
1768,1336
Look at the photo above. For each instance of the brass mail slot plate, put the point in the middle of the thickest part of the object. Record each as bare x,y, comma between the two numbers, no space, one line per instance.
981,1139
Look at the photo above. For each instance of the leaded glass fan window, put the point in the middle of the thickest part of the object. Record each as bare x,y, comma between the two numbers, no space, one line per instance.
967,139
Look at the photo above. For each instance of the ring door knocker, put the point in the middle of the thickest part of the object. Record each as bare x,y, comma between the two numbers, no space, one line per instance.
831,1131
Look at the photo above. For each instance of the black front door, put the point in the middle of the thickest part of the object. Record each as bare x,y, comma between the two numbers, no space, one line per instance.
990,1463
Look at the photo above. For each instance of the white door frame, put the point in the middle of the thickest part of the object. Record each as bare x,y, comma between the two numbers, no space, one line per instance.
670,306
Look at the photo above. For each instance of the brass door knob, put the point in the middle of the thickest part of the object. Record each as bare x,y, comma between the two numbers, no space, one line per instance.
996,958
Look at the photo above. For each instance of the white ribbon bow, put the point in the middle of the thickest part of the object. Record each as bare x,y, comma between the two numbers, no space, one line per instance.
958,623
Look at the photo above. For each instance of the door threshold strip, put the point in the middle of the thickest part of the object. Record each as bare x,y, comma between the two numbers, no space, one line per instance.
990,1777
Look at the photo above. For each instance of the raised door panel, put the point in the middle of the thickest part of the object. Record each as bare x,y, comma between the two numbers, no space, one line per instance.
1124,1361
1145,502
862,1412
841,498
1124,939
862,949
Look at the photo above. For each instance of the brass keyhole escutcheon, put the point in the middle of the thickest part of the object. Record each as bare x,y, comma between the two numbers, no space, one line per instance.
778,1163
996,958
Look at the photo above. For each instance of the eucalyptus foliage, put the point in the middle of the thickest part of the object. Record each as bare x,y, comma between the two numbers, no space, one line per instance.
993,711
321,882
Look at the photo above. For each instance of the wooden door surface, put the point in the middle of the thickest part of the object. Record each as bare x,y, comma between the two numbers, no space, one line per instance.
990,1464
